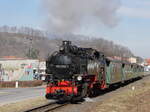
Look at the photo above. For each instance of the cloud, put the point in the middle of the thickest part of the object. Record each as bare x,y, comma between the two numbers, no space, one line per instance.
141,13
142,3
136,3
69,15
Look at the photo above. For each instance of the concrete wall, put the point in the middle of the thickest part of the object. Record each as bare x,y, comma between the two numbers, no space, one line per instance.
15,69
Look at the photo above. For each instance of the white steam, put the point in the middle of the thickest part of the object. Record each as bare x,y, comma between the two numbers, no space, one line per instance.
68,15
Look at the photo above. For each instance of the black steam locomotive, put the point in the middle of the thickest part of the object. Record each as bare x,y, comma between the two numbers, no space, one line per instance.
74,72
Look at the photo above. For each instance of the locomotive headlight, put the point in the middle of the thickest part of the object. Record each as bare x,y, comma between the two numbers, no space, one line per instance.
79,78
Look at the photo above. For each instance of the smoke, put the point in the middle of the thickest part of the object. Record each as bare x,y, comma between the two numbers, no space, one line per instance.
67,15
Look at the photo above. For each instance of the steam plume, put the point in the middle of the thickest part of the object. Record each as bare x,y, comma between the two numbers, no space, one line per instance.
67,15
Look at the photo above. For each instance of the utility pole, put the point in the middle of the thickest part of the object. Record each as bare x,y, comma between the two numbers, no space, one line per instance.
30,47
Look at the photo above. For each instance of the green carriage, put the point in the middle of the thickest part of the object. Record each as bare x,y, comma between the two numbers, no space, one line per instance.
121,71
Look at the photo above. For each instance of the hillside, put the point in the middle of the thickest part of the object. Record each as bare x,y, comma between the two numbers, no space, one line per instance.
18,42
12,44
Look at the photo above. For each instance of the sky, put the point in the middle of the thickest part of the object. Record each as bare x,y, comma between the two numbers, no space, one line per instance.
132,31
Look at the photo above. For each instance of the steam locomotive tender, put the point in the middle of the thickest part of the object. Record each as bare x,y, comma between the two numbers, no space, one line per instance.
74,72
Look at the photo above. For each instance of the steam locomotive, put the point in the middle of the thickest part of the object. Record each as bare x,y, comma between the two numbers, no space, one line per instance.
74,72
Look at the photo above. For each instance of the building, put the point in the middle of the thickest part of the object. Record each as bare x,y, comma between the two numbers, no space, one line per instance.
147,61
132,60
147,68
12,68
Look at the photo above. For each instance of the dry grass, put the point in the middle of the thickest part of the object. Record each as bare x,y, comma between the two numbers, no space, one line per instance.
11,84
133,99
7,84
23,105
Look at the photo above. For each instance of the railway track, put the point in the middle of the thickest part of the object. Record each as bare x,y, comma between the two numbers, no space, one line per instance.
48,107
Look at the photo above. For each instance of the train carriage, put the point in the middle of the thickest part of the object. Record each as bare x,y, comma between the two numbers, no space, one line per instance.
121,71
113,71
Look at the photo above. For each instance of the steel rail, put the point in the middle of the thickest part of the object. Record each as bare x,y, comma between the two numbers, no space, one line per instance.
47,107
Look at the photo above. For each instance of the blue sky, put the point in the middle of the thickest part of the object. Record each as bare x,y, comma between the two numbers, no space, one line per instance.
20,12
133,29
